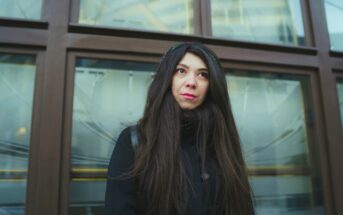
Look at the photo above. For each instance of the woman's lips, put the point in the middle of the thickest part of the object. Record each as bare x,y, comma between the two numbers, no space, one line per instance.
188,96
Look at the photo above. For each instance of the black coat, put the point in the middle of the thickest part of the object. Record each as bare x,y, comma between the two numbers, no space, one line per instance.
121,196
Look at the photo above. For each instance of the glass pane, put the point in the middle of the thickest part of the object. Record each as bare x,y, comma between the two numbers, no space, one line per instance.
156,15
340,97
87,197
17,75
108,96
285,195
24,9
334,15
269,110
269,21
270,117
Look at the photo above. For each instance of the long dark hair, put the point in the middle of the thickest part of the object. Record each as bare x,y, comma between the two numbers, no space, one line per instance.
159,166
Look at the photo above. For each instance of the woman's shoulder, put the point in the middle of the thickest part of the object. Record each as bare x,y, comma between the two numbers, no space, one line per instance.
128,137
124,138
123,153
124,134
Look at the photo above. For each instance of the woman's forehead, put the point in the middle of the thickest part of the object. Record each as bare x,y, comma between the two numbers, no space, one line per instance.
192,60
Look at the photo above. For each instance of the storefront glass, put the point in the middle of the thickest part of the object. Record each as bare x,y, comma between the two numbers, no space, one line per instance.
266,21
23,9
334,15
154,15
17,76
108,96
271,113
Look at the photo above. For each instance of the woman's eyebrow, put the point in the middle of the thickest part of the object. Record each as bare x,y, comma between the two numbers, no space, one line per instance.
183,65
187,67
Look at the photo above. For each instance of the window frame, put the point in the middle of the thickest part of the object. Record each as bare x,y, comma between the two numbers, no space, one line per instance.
32,171
55,36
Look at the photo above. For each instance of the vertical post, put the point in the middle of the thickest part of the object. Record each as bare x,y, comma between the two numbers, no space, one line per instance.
330,106
47,160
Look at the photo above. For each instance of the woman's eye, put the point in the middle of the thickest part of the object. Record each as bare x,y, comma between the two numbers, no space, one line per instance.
204,74
180,70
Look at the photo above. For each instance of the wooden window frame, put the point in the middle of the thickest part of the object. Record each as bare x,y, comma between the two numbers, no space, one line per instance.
56,39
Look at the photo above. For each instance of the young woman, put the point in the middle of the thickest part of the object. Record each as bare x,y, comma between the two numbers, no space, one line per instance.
188,159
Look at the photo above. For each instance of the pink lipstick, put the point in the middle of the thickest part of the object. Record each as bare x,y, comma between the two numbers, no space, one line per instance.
188,96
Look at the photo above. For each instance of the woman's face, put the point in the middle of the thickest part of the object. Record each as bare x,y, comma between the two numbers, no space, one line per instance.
190,82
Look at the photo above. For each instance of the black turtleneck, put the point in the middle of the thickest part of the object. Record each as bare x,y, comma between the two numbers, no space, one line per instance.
204,182
121,196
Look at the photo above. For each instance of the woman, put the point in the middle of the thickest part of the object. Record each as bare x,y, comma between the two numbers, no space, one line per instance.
188,159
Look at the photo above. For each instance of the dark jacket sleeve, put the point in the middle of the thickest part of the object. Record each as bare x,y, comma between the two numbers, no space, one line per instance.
121,196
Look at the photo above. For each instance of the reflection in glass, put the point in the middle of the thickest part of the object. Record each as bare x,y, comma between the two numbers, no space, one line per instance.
157,15
108,96
340,97
288,195
269,111
334,15
270,118
24,9
17,75
87,197
268,21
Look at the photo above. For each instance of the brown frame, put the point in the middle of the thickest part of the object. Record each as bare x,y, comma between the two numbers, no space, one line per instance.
339,75
35,118
316,137
329,102
308,31
198,26
57,37
67,172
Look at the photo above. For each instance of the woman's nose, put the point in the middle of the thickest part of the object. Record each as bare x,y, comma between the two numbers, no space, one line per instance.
191,81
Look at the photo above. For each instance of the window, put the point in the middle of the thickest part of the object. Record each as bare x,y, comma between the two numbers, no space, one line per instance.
17,75
334,14
271,116
272,121
156,15
268,21
23,9
108,96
